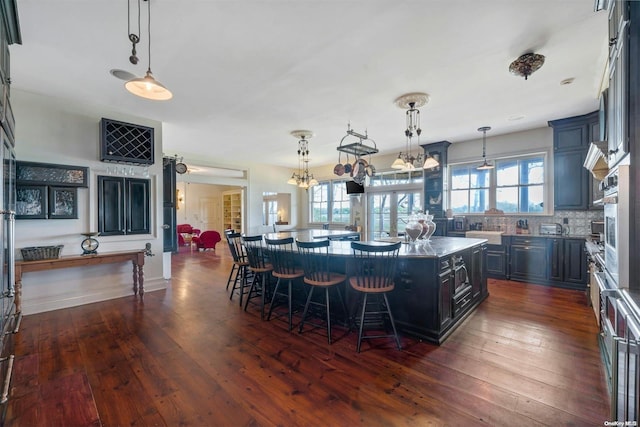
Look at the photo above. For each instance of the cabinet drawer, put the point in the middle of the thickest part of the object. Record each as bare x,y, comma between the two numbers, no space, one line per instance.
527,241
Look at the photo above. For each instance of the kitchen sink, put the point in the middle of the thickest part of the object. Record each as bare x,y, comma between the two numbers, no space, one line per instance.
493,237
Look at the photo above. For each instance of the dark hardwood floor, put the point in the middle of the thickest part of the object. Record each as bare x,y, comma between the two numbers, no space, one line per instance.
187,355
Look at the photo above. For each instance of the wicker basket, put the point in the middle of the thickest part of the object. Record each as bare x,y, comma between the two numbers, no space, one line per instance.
36,253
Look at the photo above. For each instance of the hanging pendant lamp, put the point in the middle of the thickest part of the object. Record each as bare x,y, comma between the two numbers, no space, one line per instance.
485,165
148,87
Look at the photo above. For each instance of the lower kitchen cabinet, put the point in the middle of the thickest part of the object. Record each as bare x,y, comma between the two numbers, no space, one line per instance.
528,259
556,261
496,261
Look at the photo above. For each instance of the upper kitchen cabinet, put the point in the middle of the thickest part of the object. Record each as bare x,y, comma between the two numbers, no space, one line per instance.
617,94
572,183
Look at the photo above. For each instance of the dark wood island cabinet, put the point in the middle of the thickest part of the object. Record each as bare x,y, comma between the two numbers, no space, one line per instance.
438,284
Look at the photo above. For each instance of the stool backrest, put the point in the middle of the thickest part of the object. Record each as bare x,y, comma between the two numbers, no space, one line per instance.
238,253
375,265
282,255
256,251
315,259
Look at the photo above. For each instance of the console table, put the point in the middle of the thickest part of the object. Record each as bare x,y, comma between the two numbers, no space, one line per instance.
136,257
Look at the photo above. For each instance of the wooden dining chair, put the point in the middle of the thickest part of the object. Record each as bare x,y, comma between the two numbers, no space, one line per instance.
240,273
261,268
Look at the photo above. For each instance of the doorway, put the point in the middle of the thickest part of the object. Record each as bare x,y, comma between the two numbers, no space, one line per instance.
389,211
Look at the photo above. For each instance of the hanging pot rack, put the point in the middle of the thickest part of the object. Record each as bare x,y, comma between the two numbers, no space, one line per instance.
359,148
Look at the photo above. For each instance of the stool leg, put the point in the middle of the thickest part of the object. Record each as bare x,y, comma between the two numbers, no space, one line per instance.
393,324
233,269
306,307
364,307
273,297
290,306
326,296
251,289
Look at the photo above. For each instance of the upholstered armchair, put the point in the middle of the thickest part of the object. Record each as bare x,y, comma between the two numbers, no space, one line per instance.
207,240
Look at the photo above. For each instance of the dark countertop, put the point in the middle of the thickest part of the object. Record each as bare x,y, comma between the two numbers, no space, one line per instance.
436,247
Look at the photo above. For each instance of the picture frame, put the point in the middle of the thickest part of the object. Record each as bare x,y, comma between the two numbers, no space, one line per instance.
63,202
32,173
31,202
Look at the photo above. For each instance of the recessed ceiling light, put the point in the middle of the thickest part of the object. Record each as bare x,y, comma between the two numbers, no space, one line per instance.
567,81
515,117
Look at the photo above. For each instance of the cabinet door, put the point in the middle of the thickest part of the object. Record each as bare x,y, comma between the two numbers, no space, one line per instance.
571,137
138,217
570,180
111,206
496,261
528,262
477,272
555,248
169,235
445,298
575,261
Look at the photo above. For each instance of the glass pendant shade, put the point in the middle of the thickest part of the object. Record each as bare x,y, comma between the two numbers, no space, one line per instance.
430,162
485,166
148,87
398,164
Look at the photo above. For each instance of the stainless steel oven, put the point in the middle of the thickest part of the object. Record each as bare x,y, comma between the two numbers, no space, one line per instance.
616,224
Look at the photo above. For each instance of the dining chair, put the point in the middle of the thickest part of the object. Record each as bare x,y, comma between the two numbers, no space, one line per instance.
373,277
240,273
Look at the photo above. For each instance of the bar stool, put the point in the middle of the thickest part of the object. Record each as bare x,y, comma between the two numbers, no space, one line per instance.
240,268
282,255
315,263
261,268
375,267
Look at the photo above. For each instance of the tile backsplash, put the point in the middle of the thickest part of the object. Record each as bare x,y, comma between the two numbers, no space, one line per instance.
579,222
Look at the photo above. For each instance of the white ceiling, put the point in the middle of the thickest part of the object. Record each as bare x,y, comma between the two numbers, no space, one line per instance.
244,73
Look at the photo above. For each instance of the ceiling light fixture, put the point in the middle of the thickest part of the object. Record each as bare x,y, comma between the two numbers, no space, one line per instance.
484,165
302,178
145,87
406,161
526,64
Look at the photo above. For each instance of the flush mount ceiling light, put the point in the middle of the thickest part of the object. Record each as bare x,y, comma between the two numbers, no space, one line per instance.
145,87
526,64
406,161
484,165
302,178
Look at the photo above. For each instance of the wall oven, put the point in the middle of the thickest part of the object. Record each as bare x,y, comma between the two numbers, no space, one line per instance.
616,224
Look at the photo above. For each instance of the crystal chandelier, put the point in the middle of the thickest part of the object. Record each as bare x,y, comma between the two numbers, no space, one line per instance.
302,178
406,160
484,165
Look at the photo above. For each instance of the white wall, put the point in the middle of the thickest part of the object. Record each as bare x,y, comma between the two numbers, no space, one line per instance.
53,131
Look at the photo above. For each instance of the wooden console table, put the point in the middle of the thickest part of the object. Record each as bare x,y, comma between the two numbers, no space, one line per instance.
136,257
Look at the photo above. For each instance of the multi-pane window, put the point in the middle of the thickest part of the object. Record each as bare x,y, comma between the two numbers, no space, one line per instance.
520,185
319,198
469,189
340,203
515,185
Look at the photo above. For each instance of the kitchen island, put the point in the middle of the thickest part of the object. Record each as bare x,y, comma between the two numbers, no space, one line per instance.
438,284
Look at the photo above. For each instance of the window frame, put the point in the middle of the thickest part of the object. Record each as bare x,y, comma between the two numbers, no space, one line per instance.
547,208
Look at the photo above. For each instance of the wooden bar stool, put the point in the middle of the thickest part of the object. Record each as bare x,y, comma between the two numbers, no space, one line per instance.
239,273
283,259
261,268
375,267
317,274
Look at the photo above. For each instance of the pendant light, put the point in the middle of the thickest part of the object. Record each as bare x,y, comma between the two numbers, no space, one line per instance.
406,160
484,165
147,87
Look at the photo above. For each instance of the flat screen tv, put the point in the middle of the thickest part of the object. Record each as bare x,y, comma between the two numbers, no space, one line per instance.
354,188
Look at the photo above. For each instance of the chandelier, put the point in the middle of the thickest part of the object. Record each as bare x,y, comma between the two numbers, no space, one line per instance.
484,165
147,86
526,64
302,178
406,160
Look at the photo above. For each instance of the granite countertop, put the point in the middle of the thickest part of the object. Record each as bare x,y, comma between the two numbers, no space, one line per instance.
311,234
436,247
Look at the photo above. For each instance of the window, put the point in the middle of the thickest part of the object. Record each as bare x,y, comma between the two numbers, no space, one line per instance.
329,203
319,202
516,185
